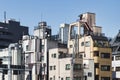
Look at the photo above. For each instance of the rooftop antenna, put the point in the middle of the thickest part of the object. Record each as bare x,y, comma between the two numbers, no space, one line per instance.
41,17
5,16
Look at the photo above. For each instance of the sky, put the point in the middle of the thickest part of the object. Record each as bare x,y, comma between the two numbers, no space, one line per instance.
56,12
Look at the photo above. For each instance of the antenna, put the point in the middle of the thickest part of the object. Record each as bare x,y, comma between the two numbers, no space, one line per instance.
41,17
5,16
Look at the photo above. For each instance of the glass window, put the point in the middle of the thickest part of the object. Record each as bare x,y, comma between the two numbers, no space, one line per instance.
96,65
42,47
71,46
50,78
67,67
105,78
117,57
77,66
42,58
87,44
89,74
50,67
54,67
96,53
54,55
118,68
105,55
77,78
82,43
27,47
61,78
67,78
105,68
112,58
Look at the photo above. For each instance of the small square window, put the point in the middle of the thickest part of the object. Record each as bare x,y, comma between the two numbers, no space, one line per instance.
89,74
67,67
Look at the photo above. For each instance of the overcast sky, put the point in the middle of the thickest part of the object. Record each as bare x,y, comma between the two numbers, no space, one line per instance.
55,12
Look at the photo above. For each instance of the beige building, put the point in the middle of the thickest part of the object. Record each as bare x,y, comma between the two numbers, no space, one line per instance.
91,44
61,65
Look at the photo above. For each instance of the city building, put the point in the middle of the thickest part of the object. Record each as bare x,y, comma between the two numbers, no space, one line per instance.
115,44
36,50
11,32
91,44
88,69
61,66
12,66
82,53
63,33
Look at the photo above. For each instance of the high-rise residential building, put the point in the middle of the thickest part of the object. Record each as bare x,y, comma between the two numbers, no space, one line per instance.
115,44
11,32
91,44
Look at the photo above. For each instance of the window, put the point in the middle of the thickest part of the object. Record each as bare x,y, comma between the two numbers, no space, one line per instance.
50,67
82,44
112,58
42,58
105,55
67,78
96,77
105,68
96,65
96,53
54,55
54,67
42,47
117,57
43,68
77,78
71,46
84,55
50,78
27,47
61,78
53,77
87,44
67,67
117,68
77,66
89,74
105,78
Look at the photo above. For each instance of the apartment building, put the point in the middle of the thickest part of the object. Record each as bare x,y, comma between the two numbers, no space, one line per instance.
91,44
115,44
62,66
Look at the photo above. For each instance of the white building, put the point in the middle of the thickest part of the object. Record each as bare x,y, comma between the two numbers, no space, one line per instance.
59,64
63,34
32,50
14,58
88,67
115,44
